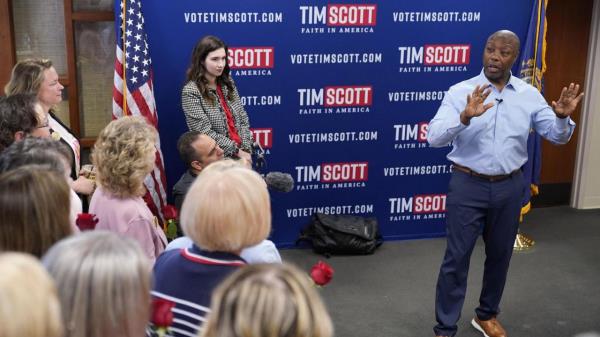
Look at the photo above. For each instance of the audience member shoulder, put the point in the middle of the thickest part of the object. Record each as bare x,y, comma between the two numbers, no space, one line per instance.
165,259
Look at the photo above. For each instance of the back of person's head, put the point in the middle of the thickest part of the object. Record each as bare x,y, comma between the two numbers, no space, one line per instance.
267,300
18,118
29,306
27,76
124,154
39,151
227,208
223,165
186,150
103,284
34,209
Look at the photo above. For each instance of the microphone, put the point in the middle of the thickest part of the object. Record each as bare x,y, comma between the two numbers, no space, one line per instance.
279,181
499,100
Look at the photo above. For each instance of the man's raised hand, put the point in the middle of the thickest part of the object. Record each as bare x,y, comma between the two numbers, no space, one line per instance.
475,106
567,102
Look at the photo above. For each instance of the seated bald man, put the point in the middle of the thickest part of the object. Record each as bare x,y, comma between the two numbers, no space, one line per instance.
197,151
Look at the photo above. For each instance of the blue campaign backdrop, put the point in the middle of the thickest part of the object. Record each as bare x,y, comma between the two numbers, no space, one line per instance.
338,93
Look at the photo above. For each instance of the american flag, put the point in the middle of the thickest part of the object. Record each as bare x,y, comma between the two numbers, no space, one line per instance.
137,74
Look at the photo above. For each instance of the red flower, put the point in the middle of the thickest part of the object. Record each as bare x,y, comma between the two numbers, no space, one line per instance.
162,316
86,221
170,212
321,273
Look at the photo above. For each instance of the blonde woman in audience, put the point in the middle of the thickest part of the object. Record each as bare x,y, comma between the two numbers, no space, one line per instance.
39,77
264,252
124,155
268,300
103,282
34,209
29,306
225,211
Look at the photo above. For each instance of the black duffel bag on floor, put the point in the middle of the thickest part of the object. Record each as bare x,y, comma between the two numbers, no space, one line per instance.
342,234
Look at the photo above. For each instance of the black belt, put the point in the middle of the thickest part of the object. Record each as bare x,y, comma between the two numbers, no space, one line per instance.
490,178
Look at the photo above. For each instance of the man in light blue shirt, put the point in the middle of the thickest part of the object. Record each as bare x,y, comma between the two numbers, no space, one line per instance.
487,120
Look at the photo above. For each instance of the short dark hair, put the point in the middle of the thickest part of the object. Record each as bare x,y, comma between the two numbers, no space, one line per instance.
40,151
17,113
186,150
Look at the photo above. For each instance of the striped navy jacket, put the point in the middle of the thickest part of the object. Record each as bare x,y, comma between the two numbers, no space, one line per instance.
188,277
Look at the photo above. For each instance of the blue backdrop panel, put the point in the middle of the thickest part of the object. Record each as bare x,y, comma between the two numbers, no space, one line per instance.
339,93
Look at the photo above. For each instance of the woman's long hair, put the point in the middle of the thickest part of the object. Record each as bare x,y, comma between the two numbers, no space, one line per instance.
27,77
197,71
103,282
267,300
34,209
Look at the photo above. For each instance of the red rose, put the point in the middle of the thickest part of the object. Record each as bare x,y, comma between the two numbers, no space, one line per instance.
321,273
162,316
170,212
86,221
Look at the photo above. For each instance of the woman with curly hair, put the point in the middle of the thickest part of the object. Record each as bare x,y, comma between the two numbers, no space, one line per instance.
124,155
211,102
267,300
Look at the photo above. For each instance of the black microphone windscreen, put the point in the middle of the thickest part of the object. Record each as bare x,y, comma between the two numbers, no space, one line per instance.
279,181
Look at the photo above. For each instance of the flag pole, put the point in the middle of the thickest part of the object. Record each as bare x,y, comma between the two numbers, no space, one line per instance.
123,37
523,241
536,83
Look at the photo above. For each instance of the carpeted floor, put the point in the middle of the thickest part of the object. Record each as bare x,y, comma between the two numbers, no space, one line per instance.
553,290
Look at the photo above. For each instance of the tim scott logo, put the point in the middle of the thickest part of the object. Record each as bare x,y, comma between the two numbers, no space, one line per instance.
411,132
436,54
251,57
337,96
339,18
264,137
251,60
435,57
418,207
332,175
410,136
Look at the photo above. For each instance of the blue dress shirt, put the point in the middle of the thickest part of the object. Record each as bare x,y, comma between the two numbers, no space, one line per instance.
495,142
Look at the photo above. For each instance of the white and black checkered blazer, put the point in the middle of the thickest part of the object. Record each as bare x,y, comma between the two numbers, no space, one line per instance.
210,119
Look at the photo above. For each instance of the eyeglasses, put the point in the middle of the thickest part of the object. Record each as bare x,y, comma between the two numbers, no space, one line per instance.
45,125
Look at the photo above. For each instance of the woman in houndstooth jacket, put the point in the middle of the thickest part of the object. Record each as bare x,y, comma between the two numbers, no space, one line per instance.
211,102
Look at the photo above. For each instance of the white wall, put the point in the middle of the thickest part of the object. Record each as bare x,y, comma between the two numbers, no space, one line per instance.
586,183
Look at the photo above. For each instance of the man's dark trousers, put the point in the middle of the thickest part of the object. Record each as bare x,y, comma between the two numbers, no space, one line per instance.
475,206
